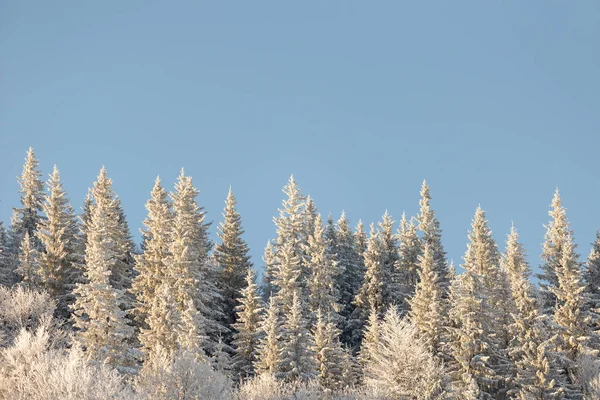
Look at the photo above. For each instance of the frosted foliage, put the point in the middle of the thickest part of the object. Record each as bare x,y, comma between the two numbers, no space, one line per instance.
21,308
401,365
181,377
28,268
33,369
269,358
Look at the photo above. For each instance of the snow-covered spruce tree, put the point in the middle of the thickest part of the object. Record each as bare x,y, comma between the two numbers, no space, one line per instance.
428,308
407,271
329,353
151,265
371,338
591,278
558,231
310,217
401,365
361,240
570,313
269,349
221,359
28,267
247,332
297,357
102,326
58,233
232,256
26,219
323,271
536,374
121,268
288,276
375,291
478,313
390,258
351,264
270,271
432,234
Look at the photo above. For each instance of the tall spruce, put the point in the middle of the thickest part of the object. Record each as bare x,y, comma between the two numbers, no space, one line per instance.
5,261
28,267
58,272
592,281
103,328
270,271
432,234
408,265
558,232
390,259
329,353
247,334
288,275
269,349
232,256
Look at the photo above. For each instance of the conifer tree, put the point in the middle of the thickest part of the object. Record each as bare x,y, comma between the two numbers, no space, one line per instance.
28,269
58,232
221,360
269,351
247,333
407,271
329,353
288,276
270,271
428,307
310,217
323,272
103,328
432,234
371,338
297,357
390,260
558,232
5,262
26,219
361,239
531,349
151,265
232,256
570,314
592,280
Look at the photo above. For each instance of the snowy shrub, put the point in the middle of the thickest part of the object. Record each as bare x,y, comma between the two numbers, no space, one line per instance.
400,364
588,371
181,377
23,308
261,387
34,369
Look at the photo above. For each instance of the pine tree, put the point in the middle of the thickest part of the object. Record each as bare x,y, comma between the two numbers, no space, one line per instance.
270,271
361,239
58,234
348,282
432,234
592,280
103,329
536,376
329,353
407,271
232,256
26,219
288,276
247,333
478,312
570,314
152,271
428,307
28,269
323,272
557,233
269,353
390,260
371,338
5,261
221,360
297,358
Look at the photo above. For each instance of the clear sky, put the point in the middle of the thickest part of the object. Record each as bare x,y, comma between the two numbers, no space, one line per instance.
494,103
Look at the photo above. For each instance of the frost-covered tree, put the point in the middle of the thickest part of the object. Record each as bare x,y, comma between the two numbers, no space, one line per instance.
269,349
26,218
407,270
401,365
292,221
371,338
221,360
247,331
103,328
536,374
297,357
288,275
232,256
58,232
270,271
570,314
558,232
390,259
342,245
5,257
329,353
428,308
592,280
310,217
323,271
28,268
432,234
151,266
361,239
478,307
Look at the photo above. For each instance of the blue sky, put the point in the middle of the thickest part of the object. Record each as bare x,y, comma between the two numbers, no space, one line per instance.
494,103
